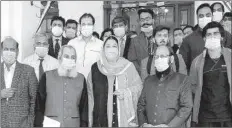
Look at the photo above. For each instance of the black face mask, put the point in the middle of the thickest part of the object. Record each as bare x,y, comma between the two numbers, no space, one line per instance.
163,73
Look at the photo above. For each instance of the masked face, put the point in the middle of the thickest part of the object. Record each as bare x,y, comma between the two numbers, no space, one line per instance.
87,30
217,16
204,16
146,22
204,21
212,43
120,31
41,51
68,64
9,57
161,64
227,24
57,31
162,37
111,50
70,33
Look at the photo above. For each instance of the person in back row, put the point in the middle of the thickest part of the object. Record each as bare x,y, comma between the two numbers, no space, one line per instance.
161,37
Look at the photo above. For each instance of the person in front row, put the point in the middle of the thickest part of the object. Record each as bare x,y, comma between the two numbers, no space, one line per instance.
18,88
114,88
166,98
63,93
211,81
161,37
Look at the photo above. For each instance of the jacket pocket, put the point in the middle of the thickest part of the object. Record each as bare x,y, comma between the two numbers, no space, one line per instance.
171,98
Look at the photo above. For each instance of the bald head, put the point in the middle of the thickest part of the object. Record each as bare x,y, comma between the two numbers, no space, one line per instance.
41,40
9,44
163,50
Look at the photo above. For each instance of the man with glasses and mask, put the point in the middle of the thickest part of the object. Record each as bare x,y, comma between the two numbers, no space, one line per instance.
119,25
140,46
193,44
210,76
166,98
40,60
87,46
71,28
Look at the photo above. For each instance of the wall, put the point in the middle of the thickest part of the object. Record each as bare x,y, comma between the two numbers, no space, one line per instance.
74,10
198,3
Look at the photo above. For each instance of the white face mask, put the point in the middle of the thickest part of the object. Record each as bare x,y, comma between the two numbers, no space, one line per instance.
68,64
111,53
41,51
148,29
217,16
87,30
70,33
161,64
9,57
120,31
212,43
57,31
204,21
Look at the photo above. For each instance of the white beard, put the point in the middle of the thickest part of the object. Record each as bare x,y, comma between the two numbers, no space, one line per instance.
67,73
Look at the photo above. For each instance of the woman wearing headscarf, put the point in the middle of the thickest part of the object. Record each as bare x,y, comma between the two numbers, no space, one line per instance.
114,88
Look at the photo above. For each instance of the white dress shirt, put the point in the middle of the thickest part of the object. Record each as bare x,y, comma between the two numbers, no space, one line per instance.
8,75
87,53
49,63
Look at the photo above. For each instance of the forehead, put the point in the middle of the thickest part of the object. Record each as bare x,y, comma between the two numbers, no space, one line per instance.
204,10
145,14
162,51
107,33
212,30
216,6
187,29
164,31
68,51
177,31
9,43
111,42
119,23
86,20
57,22
71,25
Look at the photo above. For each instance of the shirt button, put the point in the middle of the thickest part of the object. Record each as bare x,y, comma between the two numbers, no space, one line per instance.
158,91
156,105
113,122
65,84
65,92
155,114
157,98
113,113
114,103
65,100
155,121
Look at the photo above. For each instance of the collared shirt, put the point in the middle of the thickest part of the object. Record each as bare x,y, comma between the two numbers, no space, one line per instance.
8,75
54,41
87,53
49,63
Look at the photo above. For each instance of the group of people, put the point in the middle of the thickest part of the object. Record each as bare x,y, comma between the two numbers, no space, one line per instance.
122,79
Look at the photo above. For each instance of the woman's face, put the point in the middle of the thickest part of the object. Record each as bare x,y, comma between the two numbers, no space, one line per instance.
111,50
106,35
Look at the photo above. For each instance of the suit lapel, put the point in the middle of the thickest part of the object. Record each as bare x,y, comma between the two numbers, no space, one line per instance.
17,75
2,77
143,42
51,49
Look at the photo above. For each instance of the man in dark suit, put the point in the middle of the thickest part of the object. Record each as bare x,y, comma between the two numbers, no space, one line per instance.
18,88
141,46
178,39
57,40
119,25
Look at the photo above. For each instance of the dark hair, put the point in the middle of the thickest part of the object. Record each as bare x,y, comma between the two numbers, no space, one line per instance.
160,28
227,14
176,29
119,19
17,44
188,26
213,25
106,30
146,11
87,15
223,9
96,34
110,38
202,6
58,18
71,21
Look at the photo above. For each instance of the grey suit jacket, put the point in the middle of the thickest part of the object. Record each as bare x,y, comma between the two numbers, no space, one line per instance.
18,111
138,50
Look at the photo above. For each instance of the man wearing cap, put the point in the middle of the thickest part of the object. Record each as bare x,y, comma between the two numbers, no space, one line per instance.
140,45
119,25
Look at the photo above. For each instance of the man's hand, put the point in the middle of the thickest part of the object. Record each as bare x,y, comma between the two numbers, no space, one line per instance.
119,93
7,93
162,125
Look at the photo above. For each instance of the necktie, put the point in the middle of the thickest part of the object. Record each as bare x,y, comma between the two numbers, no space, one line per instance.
41,71
57,48
150,46
122,46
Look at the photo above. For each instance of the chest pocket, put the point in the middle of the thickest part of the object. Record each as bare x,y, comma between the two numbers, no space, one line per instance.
171,95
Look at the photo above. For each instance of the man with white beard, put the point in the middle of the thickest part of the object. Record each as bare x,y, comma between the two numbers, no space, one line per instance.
62,93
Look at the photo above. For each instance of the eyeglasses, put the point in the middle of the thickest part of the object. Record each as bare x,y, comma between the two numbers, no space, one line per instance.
161,56
227,19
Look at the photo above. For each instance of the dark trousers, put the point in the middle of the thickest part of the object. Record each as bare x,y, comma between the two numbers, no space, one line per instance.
215,124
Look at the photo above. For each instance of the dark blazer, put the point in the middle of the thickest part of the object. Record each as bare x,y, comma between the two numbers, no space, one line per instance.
51,50
18,111
138,50
127,46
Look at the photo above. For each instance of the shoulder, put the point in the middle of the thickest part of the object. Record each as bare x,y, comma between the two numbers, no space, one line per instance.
26,68
150,79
